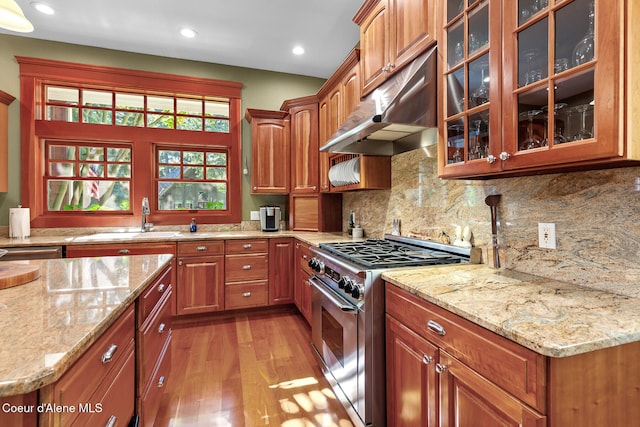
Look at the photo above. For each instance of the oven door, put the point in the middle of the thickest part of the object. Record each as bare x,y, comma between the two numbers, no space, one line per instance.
334,330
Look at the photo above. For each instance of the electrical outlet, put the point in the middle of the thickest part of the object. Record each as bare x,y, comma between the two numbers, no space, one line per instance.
547,235
255,215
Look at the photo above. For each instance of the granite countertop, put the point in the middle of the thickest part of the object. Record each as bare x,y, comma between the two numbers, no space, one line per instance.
312,238
552,318
47,324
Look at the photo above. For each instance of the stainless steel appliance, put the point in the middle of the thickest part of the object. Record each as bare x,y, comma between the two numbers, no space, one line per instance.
348,314
270,218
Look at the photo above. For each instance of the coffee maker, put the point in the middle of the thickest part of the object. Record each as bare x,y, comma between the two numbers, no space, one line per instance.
270,218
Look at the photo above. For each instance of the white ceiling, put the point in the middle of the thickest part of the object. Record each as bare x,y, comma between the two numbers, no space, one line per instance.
247,33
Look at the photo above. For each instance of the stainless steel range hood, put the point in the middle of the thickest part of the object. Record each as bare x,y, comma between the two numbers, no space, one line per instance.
398,116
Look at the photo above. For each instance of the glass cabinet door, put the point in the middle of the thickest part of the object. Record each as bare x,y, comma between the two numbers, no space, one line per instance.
472,90
559,80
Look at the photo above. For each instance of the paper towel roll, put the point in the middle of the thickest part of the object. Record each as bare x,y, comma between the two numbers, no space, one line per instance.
19,222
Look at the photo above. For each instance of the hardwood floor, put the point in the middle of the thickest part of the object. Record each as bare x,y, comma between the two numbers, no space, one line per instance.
248,370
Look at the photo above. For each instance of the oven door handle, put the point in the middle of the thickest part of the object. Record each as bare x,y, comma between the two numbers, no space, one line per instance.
342,306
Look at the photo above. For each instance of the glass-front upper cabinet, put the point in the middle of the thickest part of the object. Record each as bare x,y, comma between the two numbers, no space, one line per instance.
563,93
470,109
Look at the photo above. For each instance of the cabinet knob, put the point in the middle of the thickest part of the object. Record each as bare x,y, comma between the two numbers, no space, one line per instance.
123,251
436,327
247,246
161,287
491,158
440,368
314,188
201,248
246,294
246,267
161,381
108,355
161,328
113,420
427,359
180,262
504,155
255,188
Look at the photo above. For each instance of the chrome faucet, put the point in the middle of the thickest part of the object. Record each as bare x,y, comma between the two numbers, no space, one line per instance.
145,211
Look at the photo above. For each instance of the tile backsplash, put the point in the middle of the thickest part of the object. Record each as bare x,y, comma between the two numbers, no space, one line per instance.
597,217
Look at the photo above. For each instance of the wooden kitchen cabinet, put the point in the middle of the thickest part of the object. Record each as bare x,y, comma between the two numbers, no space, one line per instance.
303,113
246,273
281,280
540,107
5,101
392,34
153,353
270,152
100,386
302,274
372,172
116,249
200,277
410,362
339,96
485,379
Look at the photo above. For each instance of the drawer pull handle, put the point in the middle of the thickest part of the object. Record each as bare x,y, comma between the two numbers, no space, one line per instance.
436,327
123,251
108,355
161,382
161,287
427,359
161,328
440,368
201,248
246,267
112,421
247,246
246,294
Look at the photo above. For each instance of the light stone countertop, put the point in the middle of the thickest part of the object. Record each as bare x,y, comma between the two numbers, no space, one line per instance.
553,318
47,324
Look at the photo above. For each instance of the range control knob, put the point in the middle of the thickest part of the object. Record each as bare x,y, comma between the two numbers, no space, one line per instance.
342,282
316,265
358,291
348,286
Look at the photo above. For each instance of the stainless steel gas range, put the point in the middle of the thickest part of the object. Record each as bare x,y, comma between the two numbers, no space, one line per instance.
348,314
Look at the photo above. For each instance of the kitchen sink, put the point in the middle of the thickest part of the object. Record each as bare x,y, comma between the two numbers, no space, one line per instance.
127,235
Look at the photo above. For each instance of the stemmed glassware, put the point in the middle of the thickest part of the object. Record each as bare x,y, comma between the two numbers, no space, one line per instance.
533,74
584,50
532,140
480,95
583,133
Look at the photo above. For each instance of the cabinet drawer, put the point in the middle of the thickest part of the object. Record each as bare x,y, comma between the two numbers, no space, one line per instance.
303,255
250,246
516,369
148,300
150,399
120,249
246,268
81,381
152,340
116,396
205,247
246,295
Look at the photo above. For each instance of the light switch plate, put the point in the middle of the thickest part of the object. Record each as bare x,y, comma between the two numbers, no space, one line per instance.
255,215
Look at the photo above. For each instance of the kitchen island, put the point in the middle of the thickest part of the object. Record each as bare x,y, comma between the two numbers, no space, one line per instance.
48,324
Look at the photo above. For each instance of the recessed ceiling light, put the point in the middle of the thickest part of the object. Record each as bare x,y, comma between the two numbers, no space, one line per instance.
298,50
43,8
188,33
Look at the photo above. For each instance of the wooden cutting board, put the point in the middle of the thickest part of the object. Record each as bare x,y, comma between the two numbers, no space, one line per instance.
14,274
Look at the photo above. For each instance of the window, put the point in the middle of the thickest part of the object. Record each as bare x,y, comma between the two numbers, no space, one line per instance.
96,140
87,176
191,179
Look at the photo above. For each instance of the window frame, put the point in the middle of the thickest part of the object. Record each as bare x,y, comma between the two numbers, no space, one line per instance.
36,74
